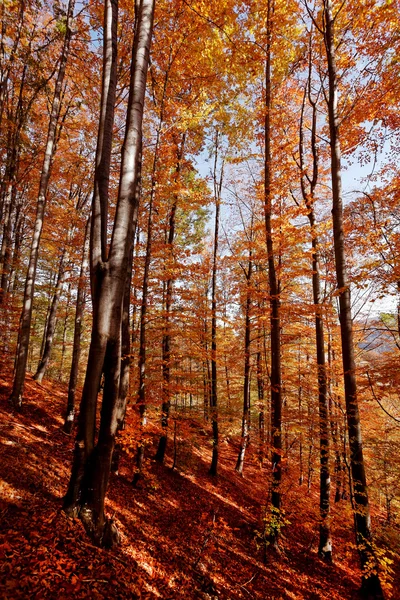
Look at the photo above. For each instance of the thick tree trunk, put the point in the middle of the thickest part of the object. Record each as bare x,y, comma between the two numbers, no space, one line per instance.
370,579
26,315
76,348
92,464
126,339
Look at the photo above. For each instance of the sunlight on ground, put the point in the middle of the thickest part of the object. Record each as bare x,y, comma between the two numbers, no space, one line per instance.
7,493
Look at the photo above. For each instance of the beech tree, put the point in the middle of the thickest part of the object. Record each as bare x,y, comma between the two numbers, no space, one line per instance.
308,184
26,315
274,297
362,520
92,463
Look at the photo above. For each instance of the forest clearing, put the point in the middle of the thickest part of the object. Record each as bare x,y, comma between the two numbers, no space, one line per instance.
200,298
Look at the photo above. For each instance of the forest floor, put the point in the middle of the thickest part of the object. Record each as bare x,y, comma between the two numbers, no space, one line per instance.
183,533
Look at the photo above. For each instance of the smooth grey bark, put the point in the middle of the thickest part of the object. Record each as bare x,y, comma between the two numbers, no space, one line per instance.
371,585
48,335
77,495
92,462
124,378
26,315
78,327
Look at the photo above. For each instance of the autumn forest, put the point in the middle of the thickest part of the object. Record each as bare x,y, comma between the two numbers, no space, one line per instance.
200,299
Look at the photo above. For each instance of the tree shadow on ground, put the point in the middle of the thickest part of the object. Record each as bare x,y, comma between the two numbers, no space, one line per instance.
184,534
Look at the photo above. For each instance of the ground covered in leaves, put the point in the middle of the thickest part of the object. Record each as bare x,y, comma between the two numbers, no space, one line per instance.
183,533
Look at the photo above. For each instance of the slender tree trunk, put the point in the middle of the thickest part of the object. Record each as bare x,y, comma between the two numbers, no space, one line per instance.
141,402
76,348
325,541
18,235
5,258
143,325
166,343
275,334
92,463
261,408
214,386
64,335
51,322
26,316
246,380
371,585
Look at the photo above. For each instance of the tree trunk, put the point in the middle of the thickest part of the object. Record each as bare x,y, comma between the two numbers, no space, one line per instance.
166,343
246,380
371,585
125,355
26,315
143,325
325,541
214,386
76,348
92,463
275,334
51,322
64,334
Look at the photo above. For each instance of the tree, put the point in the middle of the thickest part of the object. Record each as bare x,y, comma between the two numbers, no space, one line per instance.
76,348
362,520
274,298
308,183
91,466
26,315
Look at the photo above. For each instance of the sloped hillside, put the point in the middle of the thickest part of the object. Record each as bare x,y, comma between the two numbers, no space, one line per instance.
183,534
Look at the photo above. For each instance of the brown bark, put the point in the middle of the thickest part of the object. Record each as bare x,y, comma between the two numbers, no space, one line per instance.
166,343
370,579
308,193
214,386
51,321
275,332
64,334
246,379
26,315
